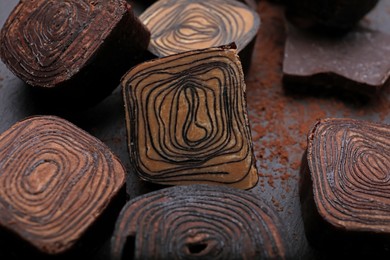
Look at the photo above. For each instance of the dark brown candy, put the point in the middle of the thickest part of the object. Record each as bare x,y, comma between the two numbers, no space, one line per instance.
251,3
346,188
355,63
198,222
75,51
185,25
56,181
187,120
332,15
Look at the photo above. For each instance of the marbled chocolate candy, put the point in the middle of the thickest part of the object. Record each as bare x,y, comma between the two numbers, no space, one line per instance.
187,120
198,222
75,51
185,25
346,192
55,182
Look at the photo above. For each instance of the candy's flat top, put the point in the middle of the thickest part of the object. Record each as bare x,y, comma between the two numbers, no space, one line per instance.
45,54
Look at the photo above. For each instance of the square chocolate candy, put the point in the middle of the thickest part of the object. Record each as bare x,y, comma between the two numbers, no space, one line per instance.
187,120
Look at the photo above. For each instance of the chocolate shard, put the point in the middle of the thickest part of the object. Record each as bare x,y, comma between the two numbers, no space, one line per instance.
187,122
345,191
198,221
73,51
56,183
356,63
185,25
333,16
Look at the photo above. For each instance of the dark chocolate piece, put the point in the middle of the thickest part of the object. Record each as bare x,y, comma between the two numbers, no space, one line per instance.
345,189
187,120
75,51
198,222
56,182
331,15
357,62
251,3
185,25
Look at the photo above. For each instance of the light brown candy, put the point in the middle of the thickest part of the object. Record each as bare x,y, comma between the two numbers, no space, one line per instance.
185,25
187,120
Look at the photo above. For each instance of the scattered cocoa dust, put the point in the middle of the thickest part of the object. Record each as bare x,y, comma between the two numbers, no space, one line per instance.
277,205
280,121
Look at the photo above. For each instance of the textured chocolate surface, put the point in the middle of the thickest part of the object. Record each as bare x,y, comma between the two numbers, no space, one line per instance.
333,15
72,52
187,121
344,187
356,62
279,124
349,162
184,25
47,42
198,221
55,181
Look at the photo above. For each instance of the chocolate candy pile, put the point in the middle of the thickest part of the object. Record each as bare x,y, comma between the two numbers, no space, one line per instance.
183,68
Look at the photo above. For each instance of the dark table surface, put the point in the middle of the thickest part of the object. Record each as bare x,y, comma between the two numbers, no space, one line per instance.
279,120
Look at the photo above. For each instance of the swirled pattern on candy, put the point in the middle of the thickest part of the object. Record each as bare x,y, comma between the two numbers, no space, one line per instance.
349,162
46,42
198,222
55,180
187,120
183,25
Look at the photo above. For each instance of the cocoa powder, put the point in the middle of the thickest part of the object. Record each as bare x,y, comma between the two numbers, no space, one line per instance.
280,120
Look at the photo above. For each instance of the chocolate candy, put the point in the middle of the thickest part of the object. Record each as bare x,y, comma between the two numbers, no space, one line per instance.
355,64
345,192
74,51
187,121
332,15
198,221
56,181
251,3
184,25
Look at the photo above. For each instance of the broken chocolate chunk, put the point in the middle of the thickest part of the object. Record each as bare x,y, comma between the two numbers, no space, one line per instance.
345,186
355,63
